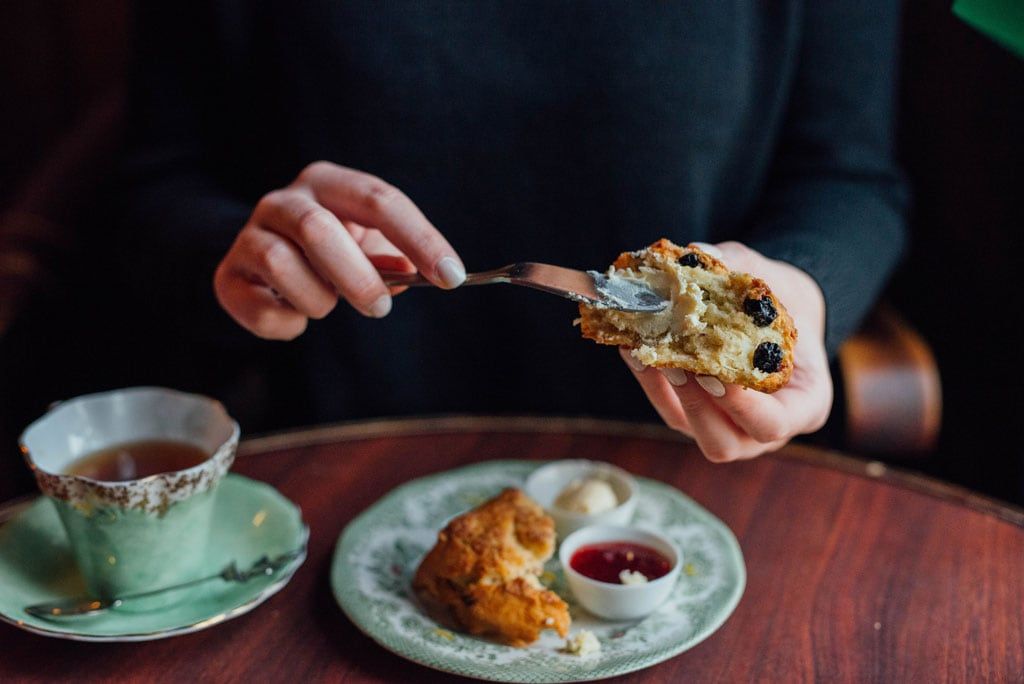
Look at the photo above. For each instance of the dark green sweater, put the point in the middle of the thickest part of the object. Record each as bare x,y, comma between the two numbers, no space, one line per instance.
562,132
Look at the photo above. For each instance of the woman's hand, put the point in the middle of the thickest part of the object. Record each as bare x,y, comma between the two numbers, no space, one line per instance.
727,421
323,237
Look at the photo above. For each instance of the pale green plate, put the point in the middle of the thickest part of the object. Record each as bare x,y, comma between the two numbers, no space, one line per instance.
251,518
379,551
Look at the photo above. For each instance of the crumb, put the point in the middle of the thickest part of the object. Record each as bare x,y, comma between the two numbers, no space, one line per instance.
584,643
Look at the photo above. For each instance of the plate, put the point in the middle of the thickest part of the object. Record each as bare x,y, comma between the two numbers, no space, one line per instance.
378,553
252,519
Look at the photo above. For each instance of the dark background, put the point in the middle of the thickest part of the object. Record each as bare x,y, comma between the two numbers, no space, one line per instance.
961,132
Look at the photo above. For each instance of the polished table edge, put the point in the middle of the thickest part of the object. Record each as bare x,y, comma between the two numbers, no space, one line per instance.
351,431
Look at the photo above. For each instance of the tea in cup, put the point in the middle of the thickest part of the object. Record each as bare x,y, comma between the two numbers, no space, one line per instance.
133,474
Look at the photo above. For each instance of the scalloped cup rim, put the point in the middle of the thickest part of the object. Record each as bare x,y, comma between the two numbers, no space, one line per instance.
233,438
81,425
228,443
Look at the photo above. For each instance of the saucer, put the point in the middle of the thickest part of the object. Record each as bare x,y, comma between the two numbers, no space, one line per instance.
252,519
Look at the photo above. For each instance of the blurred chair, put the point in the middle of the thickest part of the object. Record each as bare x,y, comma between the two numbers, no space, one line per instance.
891,388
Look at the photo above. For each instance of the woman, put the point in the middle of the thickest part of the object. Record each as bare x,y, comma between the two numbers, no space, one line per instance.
478,134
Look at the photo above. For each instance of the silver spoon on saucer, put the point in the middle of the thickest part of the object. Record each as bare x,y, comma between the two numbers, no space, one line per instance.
89,605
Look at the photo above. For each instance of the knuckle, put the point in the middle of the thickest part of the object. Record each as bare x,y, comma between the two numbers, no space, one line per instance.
363,289
314,169
262,325
322,308
292,330
734,246
742,412
760,449
270,326
737,251
692,403
269,202
273,259
716,454
246,244
428,242
314,226
378,195
676,424
769,433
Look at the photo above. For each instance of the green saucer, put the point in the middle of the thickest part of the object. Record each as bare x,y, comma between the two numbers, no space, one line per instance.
251,519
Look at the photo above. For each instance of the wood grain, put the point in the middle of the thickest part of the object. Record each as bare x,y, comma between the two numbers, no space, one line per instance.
850,577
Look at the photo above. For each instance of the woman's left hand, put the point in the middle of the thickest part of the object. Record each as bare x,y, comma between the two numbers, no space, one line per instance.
729,422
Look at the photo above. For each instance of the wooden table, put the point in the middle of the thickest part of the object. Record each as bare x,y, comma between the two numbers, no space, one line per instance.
855,572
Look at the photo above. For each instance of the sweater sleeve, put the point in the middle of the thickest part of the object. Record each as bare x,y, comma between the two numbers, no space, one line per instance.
835,200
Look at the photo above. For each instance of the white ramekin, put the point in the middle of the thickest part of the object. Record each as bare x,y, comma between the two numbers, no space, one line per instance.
546,483
620,601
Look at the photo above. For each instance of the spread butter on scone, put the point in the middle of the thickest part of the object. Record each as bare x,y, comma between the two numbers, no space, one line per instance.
718,322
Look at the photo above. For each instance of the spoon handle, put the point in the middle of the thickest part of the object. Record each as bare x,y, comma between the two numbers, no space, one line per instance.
89,605
498,275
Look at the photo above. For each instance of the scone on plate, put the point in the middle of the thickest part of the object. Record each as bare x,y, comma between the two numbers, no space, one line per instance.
718,322
482,575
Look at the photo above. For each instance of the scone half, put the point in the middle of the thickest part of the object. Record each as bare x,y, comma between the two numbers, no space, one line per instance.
719,322
482,574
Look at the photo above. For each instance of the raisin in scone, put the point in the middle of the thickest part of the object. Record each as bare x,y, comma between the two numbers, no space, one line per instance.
718,322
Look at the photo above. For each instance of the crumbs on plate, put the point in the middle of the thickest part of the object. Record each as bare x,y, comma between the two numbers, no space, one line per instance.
583,643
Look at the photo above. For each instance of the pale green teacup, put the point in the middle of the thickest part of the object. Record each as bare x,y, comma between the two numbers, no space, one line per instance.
134,535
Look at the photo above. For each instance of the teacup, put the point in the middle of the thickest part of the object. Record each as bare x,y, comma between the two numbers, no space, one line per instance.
135,535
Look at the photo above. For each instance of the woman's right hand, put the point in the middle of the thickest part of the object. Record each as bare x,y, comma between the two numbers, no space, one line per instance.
323,237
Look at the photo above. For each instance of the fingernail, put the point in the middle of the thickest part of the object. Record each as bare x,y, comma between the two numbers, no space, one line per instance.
712,386
709,249
451,272
381,307
633,362
675,376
